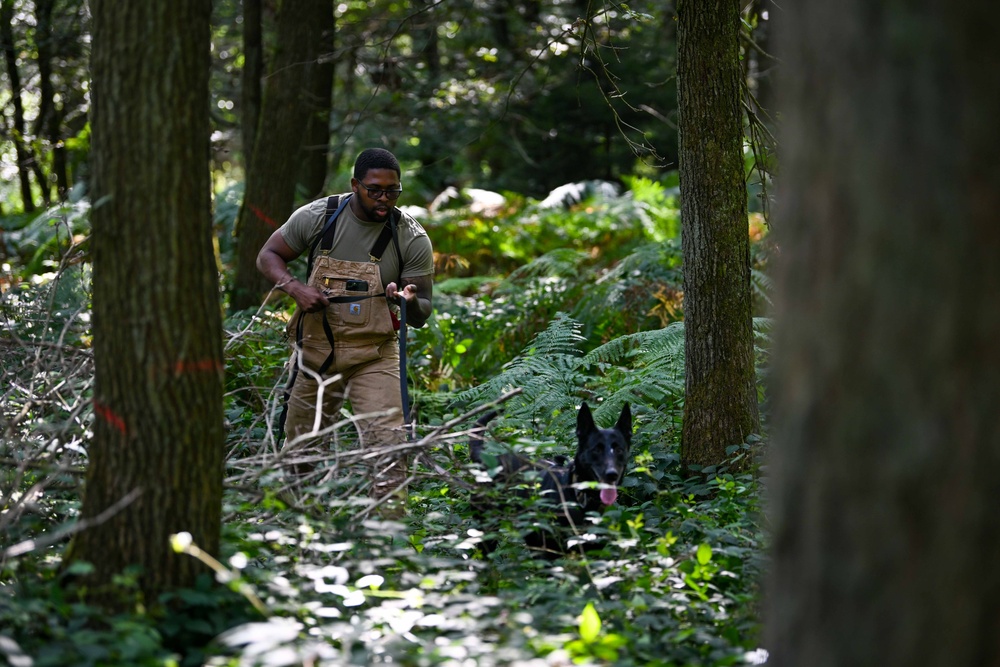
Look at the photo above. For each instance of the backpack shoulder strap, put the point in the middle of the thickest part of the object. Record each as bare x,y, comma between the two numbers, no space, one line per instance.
334,205
394,224
388,234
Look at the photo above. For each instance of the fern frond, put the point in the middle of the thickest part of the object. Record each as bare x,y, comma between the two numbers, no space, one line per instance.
548,367
645,346
761,284
557,263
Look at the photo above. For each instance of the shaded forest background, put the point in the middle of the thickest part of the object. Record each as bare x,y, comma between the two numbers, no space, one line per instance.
539,143
517,97
561,278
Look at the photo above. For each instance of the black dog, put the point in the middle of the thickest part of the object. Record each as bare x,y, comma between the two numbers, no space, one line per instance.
601,456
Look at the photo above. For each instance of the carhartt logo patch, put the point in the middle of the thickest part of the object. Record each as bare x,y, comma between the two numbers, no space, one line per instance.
355,309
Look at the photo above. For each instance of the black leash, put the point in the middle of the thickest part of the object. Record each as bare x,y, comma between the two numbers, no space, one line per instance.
404,392
403,389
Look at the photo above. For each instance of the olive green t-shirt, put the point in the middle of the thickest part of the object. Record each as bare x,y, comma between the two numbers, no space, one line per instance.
353,239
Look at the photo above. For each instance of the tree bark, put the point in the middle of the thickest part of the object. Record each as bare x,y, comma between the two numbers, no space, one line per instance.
21,150
887,444
48,123
251,77
720,407
319,101
271,179
156,317
424,29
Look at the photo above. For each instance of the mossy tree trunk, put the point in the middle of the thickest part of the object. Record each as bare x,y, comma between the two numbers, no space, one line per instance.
720,407
886,440
274,167
156,314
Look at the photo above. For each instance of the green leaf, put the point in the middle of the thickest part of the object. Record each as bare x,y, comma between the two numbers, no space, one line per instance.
80,568
704,554
590,623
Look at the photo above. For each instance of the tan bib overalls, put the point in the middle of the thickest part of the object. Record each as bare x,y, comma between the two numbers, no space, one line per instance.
365,355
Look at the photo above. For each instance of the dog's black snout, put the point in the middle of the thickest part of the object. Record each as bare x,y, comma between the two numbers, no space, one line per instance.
611,476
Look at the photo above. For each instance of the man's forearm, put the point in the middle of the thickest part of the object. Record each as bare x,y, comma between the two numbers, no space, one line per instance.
276,270
418,316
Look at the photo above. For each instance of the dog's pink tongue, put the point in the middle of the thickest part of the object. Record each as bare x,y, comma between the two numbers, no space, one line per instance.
609,496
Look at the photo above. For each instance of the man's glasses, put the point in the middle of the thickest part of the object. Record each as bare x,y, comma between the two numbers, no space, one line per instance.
376,193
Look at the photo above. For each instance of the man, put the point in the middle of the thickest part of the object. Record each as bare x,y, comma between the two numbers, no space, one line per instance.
345,322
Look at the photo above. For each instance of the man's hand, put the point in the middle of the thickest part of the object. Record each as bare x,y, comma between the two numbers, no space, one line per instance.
307,297
393,294
272,261
418,299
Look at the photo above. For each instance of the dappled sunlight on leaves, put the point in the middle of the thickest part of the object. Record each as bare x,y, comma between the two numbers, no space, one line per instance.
667,575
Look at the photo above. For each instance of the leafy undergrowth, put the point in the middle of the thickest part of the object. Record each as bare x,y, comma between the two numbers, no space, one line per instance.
671,580
309,576
667,576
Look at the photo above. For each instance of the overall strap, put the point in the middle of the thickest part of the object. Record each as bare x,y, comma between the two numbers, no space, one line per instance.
388,233
330,228
334,205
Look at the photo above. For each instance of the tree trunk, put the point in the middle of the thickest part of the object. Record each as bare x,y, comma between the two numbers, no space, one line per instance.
251,77
424,29
887,444
270,185
319,100
720,407
21,150
48,123
157,324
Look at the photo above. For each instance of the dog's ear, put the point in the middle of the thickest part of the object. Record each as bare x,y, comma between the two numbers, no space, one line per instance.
584,421
624,425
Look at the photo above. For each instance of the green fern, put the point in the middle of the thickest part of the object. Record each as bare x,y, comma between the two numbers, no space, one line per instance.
562,262
647,364
549,372
761,285
555,377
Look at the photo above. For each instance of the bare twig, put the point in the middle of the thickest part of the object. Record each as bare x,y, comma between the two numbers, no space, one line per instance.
35,544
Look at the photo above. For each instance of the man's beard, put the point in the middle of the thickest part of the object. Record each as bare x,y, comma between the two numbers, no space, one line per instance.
372,214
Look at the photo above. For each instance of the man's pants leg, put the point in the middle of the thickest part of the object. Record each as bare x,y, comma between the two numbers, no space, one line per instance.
374,388
303,401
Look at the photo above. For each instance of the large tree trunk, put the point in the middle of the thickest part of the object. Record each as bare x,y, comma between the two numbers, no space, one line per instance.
720,405
887,443
316,142
271,179
21,150
48,123
157,323
251,77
